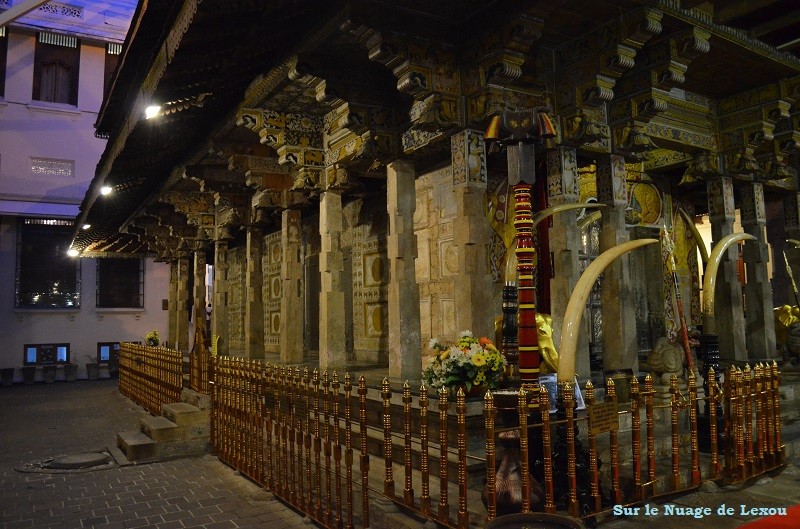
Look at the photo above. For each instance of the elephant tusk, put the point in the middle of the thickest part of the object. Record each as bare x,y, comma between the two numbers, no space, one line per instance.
570,328
552,210
588,219
793,241
710,277
698,239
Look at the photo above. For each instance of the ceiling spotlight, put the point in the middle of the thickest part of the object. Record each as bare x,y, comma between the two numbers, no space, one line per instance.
86,226
152,111
72,252
105,190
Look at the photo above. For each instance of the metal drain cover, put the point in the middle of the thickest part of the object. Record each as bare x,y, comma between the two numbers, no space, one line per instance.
75,461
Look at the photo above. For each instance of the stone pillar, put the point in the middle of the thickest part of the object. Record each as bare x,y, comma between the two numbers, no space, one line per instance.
199,291
219,312
332,343
474,289
254,303
291,325
405,354
728,297
172,314
564,235
760,323
617,293
182,304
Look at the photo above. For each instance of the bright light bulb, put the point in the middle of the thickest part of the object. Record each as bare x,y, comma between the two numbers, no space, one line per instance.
72,252
86,226
152,111
105,190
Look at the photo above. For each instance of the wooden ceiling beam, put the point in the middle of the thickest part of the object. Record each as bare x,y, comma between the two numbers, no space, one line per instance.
733,9
781,22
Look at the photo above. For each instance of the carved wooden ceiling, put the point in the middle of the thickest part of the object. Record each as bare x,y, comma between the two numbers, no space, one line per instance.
210,59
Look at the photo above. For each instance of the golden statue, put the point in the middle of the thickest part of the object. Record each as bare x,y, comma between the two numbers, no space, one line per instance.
544,322
785,317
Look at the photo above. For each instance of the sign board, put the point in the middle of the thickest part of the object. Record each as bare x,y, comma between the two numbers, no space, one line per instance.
603,417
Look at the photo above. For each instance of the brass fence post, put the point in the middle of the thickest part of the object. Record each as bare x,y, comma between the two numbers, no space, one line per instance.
326,435
747,388
713,396
491,489
317,447
616,493
547,450
676,476
776,381
522,408
636,440
388,482
362,419
461,421
308,441
649,419
425,496
696,478
337,451
348,451
444,508
408,491
593,470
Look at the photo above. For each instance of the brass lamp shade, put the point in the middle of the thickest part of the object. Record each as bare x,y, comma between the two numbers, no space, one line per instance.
493,130
544,126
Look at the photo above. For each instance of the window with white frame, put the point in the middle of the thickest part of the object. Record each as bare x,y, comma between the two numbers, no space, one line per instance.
120,282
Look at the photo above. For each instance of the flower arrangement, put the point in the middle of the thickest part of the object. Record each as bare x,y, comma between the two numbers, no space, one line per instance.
470,362
152,338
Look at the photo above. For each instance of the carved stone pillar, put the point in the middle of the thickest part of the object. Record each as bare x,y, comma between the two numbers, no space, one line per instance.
291,328
760,323
199,291
565,237
616,295
728,298
219,312
405,353
474,285
332,343
172,315
182,304
254,303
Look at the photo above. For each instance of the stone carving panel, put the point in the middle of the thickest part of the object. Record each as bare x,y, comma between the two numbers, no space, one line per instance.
236,300
271,290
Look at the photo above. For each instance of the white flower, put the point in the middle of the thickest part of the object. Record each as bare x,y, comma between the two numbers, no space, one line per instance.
433,343
465,334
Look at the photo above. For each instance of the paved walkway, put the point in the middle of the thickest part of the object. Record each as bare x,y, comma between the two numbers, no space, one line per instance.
47,420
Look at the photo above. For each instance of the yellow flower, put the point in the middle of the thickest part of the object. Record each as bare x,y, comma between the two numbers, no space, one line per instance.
478,359
480,378
444,355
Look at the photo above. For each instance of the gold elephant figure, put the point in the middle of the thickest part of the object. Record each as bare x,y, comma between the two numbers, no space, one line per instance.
785,317
547,349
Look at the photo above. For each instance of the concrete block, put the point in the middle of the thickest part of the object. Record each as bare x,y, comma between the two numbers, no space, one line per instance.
160,429
184,414
136,445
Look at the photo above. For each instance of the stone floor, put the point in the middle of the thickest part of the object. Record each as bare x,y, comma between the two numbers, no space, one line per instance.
46,420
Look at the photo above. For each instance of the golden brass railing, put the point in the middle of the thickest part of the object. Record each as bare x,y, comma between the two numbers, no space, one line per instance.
310,439
284,429
150,376
752,436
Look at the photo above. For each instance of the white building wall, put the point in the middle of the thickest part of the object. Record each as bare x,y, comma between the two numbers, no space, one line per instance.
81,328
61,132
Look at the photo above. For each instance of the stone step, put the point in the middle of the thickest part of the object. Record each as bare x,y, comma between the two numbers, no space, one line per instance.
182,448
136,445
161,429
184,414
195,398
